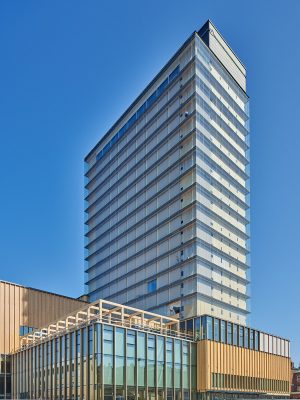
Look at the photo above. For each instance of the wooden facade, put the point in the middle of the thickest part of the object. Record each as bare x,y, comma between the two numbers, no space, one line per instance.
22,306
227,368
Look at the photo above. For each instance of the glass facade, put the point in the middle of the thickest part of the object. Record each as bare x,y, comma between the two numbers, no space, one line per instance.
222,129
167,195
5,376
212,328
107,362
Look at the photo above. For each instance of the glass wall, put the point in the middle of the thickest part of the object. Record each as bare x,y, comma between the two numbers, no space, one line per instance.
5,376
108,362
207,327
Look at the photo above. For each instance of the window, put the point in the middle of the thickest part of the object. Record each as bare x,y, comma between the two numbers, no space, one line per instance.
24,330
152,285
246,342
209,328
223,331
217,329
229,333
241,336
235,334
148,103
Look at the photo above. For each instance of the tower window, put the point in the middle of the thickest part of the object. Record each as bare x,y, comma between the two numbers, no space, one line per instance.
152,286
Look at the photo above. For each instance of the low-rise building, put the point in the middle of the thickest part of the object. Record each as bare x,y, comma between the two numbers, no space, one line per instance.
22,310
110,351
295,385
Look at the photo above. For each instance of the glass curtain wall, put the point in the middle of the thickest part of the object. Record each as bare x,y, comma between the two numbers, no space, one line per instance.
108,362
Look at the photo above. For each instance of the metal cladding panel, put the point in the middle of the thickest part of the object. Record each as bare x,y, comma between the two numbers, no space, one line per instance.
223,52
21,306
223,359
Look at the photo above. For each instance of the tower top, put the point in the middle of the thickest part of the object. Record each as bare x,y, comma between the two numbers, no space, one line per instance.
221,49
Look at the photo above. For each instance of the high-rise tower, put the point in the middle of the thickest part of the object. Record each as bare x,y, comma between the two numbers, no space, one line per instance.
167,190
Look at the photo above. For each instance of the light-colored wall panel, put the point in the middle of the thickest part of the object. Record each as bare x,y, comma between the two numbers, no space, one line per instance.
219,358
29,307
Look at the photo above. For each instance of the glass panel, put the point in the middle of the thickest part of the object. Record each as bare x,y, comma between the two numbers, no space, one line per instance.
209,328
152,286
223,331
141,355
151,373
119,371
234,334
151,360
217,329
256,340
141,345
185,373
229,332
130,371
190,327
160,374
160,348
241,336
131,344
197,328
169,371
177,371
120,342
141,372
131,393
84,342
108,393
246,338
97,338
177,351
107,340
251,339
203,328
107,369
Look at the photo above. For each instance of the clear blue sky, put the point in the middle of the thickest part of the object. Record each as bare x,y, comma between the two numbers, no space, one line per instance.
69,68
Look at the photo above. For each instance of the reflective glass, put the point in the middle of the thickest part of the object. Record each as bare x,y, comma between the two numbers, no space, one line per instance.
177,351
160,348
216,329
229,332
223,331
234,334
209,328
119,370
120,342
107,369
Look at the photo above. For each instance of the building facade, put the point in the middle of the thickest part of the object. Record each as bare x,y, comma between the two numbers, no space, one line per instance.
167,190
107,351
295,385
110,351
22,310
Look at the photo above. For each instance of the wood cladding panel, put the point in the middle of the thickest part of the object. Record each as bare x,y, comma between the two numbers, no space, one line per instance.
219,358
28,307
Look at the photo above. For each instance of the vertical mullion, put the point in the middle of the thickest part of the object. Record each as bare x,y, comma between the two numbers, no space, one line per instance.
156,367
114,362
136,364
125,363
146,366
173,367
181,369
165,368
102,361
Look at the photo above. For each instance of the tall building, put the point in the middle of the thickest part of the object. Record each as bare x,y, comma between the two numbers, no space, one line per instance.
167,190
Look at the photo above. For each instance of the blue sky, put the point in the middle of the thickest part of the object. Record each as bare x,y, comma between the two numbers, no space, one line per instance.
69,68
